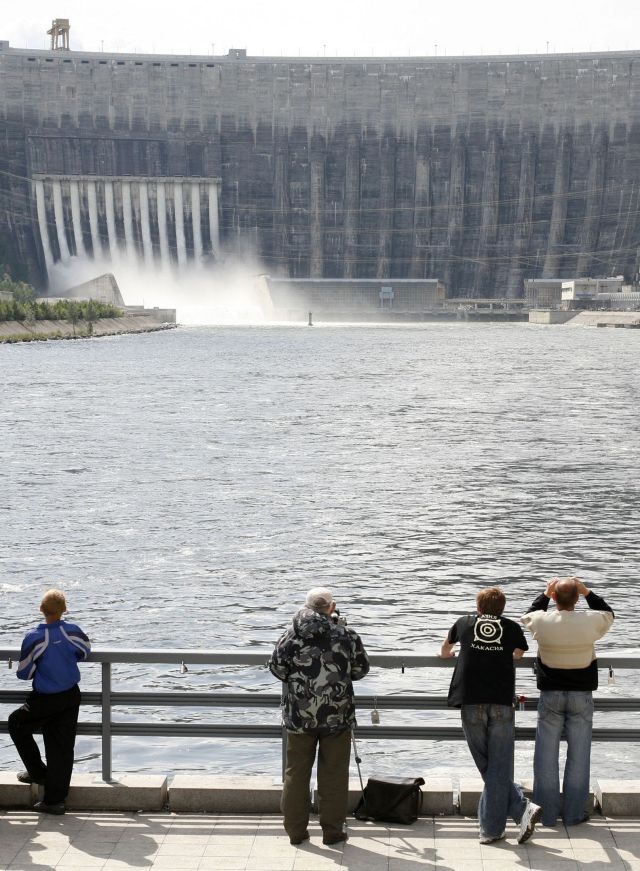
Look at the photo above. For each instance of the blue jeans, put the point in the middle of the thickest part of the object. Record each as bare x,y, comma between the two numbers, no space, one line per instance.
567,714
489,730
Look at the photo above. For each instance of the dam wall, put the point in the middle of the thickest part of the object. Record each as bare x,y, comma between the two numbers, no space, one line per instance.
477,171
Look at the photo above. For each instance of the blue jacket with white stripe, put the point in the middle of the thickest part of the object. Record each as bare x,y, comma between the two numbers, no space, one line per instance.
50,655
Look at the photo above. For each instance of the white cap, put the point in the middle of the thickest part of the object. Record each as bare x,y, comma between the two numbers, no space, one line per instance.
319,599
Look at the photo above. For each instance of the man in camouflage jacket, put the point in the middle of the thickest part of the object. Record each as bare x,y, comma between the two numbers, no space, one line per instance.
318,658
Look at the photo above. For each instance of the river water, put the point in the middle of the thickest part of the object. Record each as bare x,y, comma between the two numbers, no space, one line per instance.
186,488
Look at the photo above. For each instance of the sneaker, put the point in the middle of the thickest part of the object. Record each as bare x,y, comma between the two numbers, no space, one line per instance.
335,838
530,817
487,840
44,808
299,840
25,777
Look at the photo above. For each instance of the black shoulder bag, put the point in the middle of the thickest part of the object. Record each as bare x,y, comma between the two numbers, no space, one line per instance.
393,800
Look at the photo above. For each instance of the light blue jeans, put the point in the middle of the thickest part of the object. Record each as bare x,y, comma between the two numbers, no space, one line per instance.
563,714
489,730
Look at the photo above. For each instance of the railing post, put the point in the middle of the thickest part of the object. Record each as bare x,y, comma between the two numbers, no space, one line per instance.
284,733
106,721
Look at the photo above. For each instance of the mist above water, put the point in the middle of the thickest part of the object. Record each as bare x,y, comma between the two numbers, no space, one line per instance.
232,292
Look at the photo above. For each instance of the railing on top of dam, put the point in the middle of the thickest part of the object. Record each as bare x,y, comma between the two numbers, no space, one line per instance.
107,698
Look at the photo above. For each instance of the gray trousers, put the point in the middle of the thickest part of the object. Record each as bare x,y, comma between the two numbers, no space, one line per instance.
333,781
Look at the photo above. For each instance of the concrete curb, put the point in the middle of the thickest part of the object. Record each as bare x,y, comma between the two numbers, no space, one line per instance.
130,792
261,795
618,798
471,789
14,794
210,794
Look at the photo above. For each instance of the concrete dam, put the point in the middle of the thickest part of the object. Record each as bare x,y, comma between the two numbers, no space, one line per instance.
477,171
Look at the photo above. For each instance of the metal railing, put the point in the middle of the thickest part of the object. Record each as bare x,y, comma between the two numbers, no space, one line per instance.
106,699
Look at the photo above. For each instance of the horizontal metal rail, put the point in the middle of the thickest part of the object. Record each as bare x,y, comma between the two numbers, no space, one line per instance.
242,656
106,699
248,700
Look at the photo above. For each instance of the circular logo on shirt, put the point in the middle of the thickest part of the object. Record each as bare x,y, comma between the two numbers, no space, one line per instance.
488,630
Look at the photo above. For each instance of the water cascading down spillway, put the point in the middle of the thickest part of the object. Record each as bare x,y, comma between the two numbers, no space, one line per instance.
138,218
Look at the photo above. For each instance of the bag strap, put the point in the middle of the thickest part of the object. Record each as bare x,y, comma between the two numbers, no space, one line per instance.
358,760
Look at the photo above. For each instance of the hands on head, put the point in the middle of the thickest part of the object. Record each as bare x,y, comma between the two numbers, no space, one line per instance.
552,584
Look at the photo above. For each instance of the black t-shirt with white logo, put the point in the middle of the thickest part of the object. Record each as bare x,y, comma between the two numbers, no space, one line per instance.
484,672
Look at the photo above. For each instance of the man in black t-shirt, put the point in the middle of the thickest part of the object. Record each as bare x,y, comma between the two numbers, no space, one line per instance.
483,686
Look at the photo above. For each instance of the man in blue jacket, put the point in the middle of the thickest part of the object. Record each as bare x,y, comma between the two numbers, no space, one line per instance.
49,658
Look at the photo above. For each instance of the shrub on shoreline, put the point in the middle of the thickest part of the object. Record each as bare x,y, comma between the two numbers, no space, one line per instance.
62,310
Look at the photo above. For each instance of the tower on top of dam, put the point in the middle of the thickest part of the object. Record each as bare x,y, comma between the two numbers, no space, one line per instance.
478,171
59,34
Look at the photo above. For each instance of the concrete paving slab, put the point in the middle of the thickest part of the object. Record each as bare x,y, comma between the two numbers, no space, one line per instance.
29,842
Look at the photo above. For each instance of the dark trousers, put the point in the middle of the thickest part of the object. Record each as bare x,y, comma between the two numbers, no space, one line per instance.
56,716
333,781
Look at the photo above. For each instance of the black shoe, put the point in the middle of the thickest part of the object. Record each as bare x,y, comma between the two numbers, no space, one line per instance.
299,840
55,809
335,838
25,777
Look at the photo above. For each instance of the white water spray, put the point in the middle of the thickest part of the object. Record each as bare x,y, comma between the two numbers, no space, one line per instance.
58,211
144,223
76,218
44,229
127,214
92,199
179,213
161,199
235,292
111,219
214,226
195,218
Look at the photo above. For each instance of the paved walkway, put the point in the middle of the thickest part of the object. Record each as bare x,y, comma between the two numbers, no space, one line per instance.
117,841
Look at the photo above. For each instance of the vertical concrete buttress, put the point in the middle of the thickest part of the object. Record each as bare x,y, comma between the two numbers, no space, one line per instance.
524,215
553,260
422,211
351,205
489,217
386,204
281,206
455,218
317,206
596,181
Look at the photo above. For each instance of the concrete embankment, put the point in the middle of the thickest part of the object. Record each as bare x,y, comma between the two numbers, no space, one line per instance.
261,794
630,320
17,331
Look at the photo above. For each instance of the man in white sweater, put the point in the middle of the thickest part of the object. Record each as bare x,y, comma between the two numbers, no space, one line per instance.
567,674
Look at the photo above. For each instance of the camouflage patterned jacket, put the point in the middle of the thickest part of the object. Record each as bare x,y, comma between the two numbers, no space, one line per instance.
318,659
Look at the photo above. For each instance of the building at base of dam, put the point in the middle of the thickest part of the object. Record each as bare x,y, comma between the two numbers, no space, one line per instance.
478,171
343,298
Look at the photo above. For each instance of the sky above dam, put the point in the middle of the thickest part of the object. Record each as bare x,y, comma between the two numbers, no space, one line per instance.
333,27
